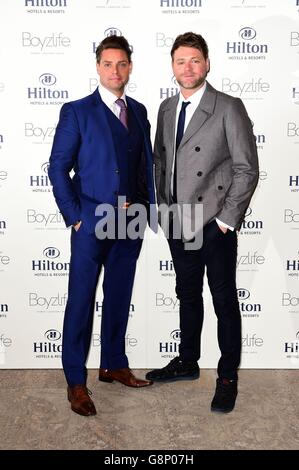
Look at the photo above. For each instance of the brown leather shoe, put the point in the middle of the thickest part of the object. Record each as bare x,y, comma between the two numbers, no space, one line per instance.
81,402
124,376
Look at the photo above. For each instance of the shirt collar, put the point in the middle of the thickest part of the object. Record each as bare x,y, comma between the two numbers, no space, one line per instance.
195,98
108,97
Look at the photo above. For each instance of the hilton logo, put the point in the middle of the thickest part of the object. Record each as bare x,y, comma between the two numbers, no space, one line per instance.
50,346
167,92
192,4
248,310
171,346
249,226
294,183
41,183
292,346
295,95
48,267
46,6
292,266
166,268
245,49
46,92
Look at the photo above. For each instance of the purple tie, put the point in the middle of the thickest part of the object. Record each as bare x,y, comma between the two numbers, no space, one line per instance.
123,116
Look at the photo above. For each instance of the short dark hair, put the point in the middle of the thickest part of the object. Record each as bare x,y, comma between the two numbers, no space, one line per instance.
114,42
191,40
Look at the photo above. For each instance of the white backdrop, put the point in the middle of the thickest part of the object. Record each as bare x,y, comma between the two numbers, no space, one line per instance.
46,58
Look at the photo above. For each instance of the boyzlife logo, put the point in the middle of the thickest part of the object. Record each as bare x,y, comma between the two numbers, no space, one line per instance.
44,220
167,303
46,6
47,303
41,183
3,310
53,43
39,134
182,7
166,268
170,348
294,183
291,217
5,342
255,88
164,42
251,343
3,227
290,301
250,261
294,39
50,347
248,4
130,341
248,309
3,177
4,260
49,265
171,90
99,306
47,93
247,47
251,226
293,131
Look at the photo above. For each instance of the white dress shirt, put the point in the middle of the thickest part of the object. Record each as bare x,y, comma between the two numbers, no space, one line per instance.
110,98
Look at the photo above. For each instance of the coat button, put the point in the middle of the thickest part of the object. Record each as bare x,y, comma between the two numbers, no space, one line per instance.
163,148
117,171
199,198
199,173
197,149
220,187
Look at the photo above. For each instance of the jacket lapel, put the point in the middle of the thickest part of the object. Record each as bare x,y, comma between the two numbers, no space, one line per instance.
101,119
202,113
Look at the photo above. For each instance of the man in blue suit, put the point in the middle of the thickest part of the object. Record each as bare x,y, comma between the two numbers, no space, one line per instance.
105,139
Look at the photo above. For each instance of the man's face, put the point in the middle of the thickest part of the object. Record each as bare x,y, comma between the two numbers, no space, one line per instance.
114,70
190,69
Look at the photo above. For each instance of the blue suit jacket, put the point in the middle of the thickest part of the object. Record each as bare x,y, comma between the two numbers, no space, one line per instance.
83,143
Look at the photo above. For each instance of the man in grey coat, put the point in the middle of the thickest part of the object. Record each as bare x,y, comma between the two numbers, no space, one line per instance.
205,155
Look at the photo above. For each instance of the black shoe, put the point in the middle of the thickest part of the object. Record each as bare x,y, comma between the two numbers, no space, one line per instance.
177,369
225,395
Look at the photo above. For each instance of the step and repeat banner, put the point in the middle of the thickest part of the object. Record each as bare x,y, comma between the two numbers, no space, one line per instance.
47,57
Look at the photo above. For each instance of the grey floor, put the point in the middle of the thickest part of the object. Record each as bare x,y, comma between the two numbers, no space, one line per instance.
35,414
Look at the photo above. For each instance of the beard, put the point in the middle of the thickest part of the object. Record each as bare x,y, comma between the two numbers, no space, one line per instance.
191,84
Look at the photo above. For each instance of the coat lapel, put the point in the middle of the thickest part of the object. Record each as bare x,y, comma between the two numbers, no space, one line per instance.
202,113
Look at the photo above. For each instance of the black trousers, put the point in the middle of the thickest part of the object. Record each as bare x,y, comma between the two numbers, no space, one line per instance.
218,255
